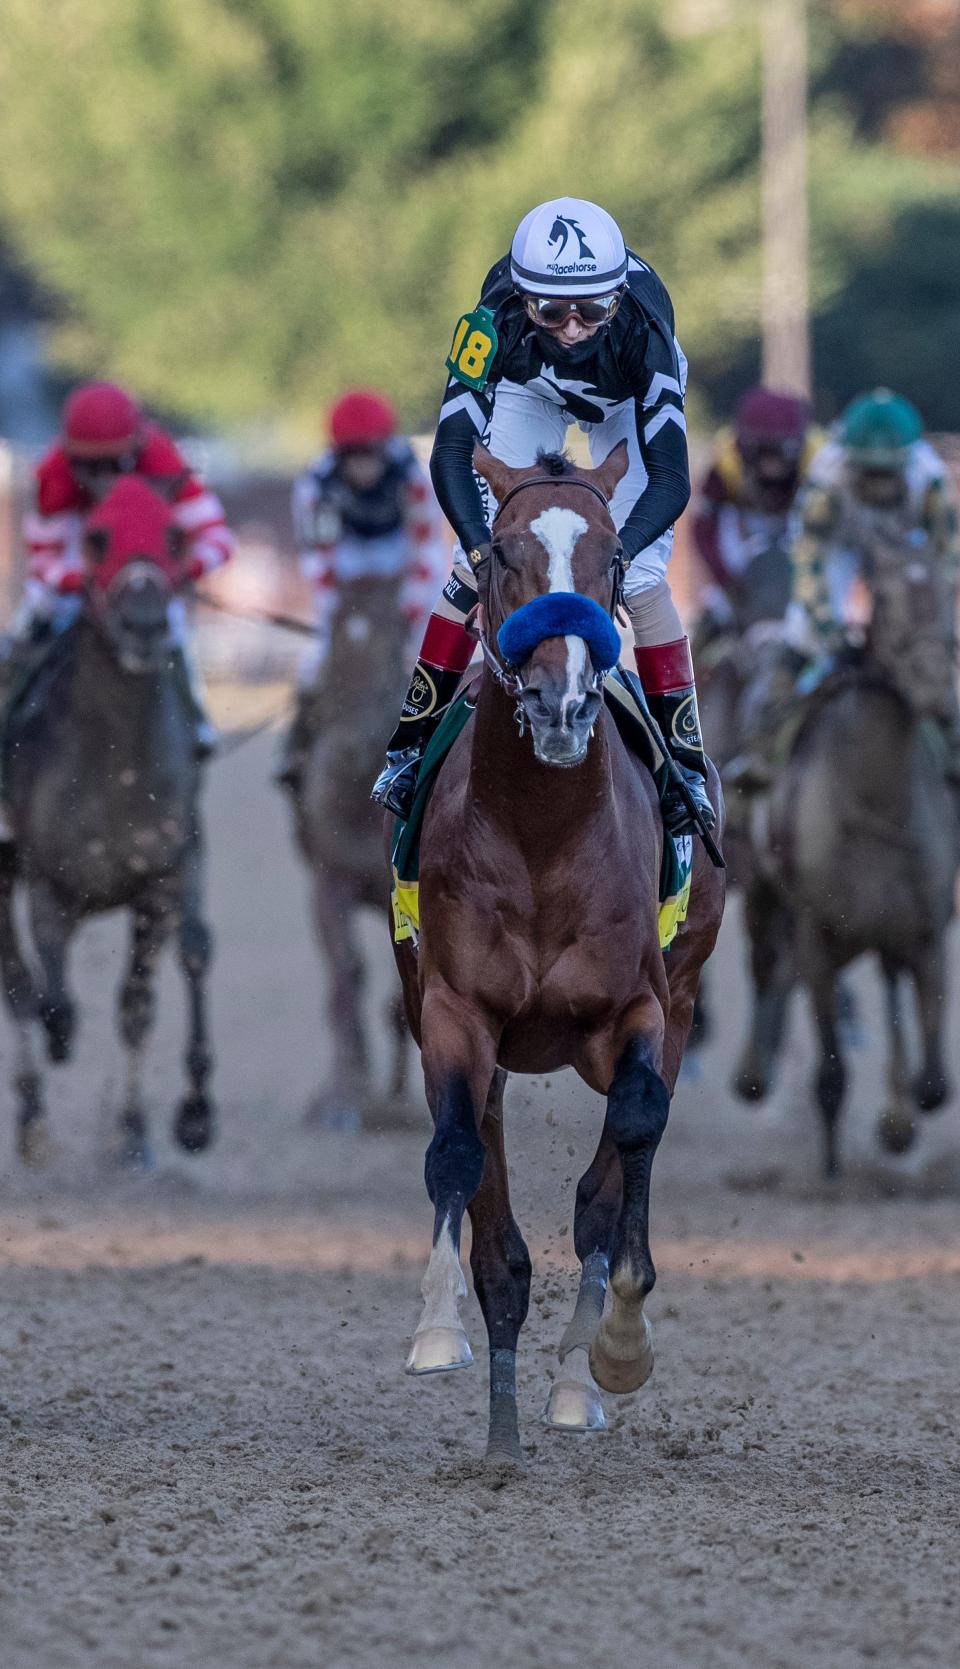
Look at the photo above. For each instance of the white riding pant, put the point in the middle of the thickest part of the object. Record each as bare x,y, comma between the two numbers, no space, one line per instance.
525,423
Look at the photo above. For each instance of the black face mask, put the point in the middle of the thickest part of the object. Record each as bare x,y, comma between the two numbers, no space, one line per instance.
555,354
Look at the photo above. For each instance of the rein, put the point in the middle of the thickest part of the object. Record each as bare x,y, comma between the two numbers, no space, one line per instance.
509,679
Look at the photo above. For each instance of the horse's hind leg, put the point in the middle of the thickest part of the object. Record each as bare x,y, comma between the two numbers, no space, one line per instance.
621,1356
819,975
501,1276
896,1127
193,1125
458,1065
33,1142
769,931
340,1102
52,928
931,1086
136,1008
574,1403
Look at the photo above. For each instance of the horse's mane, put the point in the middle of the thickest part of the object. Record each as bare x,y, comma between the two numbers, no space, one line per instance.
556,463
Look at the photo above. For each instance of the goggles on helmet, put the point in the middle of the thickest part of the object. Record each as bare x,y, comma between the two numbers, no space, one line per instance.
554,311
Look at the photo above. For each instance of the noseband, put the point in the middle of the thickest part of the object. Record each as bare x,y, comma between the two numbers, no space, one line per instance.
510,681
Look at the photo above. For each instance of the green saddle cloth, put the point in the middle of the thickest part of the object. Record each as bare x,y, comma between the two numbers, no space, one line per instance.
676,866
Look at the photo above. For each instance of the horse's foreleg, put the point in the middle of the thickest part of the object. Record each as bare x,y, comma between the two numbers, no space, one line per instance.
896,1127
621,1356
400,1037
931,1086
500,1264
574,1403
23,1005
193,1125
773,975
136,1008
335,921
458,1062
52,927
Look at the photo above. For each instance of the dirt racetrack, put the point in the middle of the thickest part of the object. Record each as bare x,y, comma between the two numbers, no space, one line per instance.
211,1454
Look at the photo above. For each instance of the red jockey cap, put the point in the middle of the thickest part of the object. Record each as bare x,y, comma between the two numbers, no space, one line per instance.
771,416
101,420
361,418
132,524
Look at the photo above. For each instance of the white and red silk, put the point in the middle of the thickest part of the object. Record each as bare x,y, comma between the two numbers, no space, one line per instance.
53,532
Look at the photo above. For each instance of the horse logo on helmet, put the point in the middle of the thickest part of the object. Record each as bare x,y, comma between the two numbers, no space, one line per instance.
560,233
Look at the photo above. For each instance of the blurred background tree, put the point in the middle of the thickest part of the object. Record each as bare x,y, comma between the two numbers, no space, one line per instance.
240,206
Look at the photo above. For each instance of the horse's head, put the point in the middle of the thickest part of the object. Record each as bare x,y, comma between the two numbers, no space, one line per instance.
133,554
549,591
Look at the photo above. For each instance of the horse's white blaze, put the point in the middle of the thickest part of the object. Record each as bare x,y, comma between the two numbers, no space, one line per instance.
558,531
440,1341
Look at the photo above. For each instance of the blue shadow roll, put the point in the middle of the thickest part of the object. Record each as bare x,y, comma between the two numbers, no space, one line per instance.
560,614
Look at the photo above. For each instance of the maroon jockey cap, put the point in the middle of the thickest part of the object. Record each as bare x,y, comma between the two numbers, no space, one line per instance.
769,416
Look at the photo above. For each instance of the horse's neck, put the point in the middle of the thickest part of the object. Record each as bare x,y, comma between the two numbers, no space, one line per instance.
122,709
543,806
368,637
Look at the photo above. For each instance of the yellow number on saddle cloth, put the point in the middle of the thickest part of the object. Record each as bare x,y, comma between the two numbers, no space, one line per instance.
474,348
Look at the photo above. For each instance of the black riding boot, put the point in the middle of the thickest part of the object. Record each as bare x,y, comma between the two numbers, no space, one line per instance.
432,688
676,713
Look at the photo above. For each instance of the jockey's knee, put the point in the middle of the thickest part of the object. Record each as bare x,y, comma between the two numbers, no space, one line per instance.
653,612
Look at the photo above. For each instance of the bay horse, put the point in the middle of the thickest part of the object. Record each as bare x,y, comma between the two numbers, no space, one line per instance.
338,831
856,849
102,793
539,949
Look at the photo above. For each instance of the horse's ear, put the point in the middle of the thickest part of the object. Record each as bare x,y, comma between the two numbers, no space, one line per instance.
611,472
498,475
96,543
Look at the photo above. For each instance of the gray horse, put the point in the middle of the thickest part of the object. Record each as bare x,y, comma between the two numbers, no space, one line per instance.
340,834
856,849
102,791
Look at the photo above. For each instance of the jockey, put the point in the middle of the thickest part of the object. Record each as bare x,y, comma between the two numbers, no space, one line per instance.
571,327
745,499
877,473
105,434
877,464
364,508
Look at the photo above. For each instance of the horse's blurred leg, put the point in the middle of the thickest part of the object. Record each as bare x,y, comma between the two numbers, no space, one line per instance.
52,928
621,1356
820,977
151,921
33,1139
501,1277
574,1403
458,1068
931,1086
340,1102
773,975
400,1031
896,1127
193,1126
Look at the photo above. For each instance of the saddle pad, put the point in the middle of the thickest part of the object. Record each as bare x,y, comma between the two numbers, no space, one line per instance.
676,866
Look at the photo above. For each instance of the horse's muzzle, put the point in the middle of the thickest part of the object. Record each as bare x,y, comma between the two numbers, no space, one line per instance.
561,725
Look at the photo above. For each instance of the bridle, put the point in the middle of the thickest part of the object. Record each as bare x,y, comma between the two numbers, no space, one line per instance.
508,678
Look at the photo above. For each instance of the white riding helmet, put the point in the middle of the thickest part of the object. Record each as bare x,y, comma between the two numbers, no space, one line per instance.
568,247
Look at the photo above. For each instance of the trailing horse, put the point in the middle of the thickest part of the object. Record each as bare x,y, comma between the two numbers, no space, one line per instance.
102,790
339,832
856,849
539,948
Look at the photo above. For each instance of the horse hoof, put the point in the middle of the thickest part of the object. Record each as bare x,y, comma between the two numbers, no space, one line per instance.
748,1085
501,1466
34,1145
439,1350
896,1130
136,1156
930,1093
621,1363
573,1406
193,1126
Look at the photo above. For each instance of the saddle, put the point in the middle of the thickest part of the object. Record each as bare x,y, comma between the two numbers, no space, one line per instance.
676,866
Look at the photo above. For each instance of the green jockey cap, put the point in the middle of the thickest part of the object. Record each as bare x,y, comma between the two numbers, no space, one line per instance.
878,429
